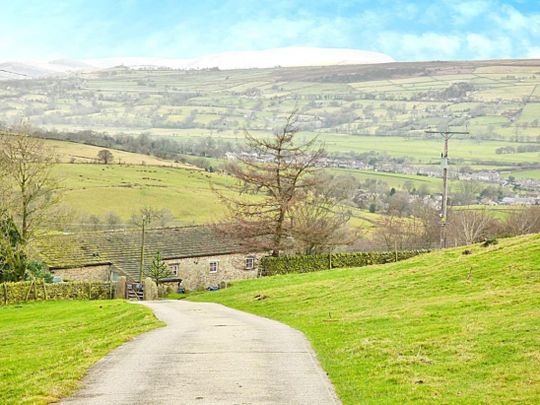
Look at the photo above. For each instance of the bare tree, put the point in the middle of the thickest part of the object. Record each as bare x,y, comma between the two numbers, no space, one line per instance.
430,220
522,222
320,225
468,226
280,171
466,192
113,220
105,156
397,233
30,190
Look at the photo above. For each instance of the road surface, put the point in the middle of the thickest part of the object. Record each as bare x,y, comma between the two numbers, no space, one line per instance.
209,354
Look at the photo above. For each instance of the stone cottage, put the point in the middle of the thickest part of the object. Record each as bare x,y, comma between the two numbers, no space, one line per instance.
198,255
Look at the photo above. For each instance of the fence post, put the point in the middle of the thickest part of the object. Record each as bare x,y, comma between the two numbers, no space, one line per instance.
150,289
28,292
121,286
5,293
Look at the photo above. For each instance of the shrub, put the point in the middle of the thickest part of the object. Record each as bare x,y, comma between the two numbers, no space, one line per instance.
38,270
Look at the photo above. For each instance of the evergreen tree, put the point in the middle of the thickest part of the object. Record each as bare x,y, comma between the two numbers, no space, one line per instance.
159,270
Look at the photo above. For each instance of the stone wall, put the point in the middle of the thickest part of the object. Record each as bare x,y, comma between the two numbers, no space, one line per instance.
89,273
195,272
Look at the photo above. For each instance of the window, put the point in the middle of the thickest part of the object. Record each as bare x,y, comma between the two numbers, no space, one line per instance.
214,266
250,263
174,268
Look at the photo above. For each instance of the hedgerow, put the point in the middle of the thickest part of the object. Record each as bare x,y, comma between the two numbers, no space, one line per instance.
304,264
13,293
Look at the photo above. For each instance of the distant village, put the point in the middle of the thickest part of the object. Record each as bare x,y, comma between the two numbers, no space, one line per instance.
526,191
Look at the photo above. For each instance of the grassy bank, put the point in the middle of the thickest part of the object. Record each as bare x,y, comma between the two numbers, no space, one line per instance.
127,189
46,347
441,327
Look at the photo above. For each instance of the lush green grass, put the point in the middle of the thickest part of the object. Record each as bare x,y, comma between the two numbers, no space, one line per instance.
98,189
46,347
442,327
396,180
497,211
124,189
527,174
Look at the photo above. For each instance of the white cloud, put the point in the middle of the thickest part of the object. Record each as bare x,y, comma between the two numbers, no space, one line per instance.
465,11
426,46
534,52
403,29
483,47
514,22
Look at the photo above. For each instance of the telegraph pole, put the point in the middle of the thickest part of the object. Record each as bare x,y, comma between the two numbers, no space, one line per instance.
141,262
444,163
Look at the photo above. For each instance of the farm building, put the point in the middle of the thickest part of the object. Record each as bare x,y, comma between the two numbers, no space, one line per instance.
197,255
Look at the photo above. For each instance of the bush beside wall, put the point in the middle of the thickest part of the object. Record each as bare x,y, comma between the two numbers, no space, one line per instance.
305,264
13,293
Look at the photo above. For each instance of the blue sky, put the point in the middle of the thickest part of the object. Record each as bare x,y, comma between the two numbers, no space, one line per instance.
405,30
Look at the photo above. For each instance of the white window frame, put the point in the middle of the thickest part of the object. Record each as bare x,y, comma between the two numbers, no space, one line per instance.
248,260
174,268
214,264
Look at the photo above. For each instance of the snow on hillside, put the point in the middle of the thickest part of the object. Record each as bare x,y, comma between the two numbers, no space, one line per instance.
286,57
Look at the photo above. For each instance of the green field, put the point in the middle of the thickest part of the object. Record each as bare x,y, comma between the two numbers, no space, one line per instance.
46,347
527,174
363,108
396,180
124,189
497,211
441,327
94,189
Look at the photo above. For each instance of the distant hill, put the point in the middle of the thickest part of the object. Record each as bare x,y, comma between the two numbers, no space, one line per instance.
286,57
383,107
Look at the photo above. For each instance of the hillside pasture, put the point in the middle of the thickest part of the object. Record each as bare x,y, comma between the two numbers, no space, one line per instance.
440,327
125,189
71,152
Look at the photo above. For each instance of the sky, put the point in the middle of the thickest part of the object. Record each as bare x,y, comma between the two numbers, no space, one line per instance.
405,30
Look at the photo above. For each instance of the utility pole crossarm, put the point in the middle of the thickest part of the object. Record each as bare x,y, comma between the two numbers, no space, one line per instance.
447,132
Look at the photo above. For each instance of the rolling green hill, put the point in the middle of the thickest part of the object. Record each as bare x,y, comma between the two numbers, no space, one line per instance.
442,327
124,189
383,108
135,181
80,153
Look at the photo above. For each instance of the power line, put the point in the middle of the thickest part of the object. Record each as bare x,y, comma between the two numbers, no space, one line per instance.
14,73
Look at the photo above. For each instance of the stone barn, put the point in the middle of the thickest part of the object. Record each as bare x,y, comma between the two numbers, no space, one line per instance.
198,255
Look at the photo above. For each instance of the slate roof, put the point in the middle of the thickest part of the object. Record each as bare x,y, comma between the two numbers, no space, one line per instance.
122,248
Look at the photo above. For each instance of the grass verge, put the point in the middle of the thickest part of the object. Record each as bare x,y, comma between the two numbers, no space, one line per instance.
46,347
